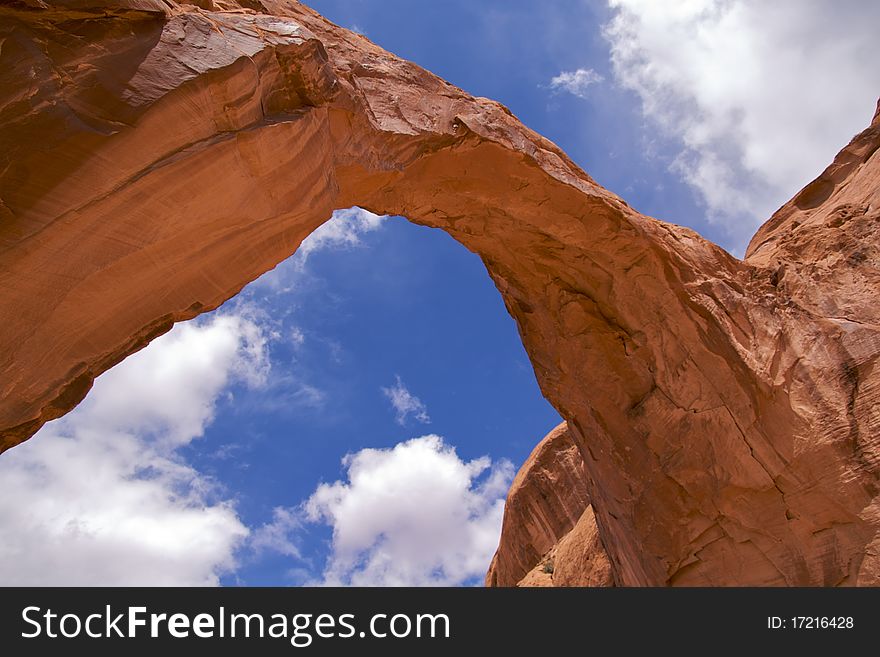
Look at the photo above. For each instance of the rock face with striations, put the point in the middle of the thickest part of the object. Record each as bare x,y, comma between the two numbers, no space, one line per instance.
549,535
155,156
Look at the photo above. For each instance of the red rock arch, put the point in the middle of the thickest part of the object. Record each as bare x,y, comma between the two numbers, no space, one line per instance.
155,157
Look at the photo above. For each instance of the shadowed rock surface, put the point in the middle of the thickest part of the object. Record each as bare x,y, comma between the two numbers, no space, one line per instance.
157,156
578,559
549,535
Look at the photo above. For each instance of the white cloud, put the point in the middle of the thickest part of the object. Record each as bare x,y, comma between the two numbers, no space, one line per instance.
762,95
101,497
297,337
575,82
406,404
168,389
413,515
285,394
277,536
344,230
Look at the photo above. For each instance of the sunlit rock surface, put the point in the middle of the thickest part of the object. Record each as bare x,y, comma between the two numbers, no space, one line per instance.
157,156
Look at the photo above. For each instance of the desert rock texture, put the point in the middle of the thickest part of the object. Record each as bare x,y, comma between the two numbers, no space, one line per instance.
549,535
155,156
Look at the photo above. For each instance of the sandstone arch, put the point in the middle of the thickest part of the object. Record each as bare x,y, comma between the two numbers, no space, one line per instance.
156,156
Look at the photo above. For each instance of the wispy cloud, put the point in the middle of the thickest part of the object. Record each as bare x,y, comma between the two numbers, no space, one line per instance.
285,393
406,404
297,337
344,230
575,82
412,515
279,535
760,95
287,390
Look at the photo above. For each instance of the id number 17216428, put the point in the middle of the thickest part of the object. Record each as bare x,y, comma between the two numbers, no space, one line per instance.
810,623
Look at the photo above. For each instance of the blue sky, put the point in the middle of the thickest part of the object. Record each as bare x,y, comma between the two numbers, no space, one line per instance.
406,309
356,415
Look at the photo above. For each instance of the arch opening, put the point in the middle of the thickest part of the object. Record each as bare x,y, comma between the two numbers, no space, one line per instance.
233,448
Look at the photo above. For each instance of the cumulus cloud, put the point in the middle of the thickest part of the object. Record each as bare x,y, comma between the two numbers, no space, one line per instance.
412,515
761,95
102,496
406,404
168,390
575,82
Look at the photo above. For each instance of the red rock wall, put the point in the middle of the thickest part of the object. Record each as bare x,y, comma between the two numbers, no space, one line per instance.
155,157
549,535
547,498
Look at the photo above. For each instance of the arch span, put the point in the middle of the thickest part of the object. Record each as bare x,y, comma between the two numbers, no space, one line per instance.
160,155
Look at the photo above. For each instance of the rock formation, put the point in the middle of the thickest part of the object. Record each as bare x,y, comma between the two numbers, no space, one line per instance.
578,559
155,156
549,535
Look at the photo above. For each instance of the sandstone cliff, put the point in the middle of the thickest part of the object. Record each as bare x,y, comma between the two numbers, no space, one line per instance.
549,535
155,156
578,559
